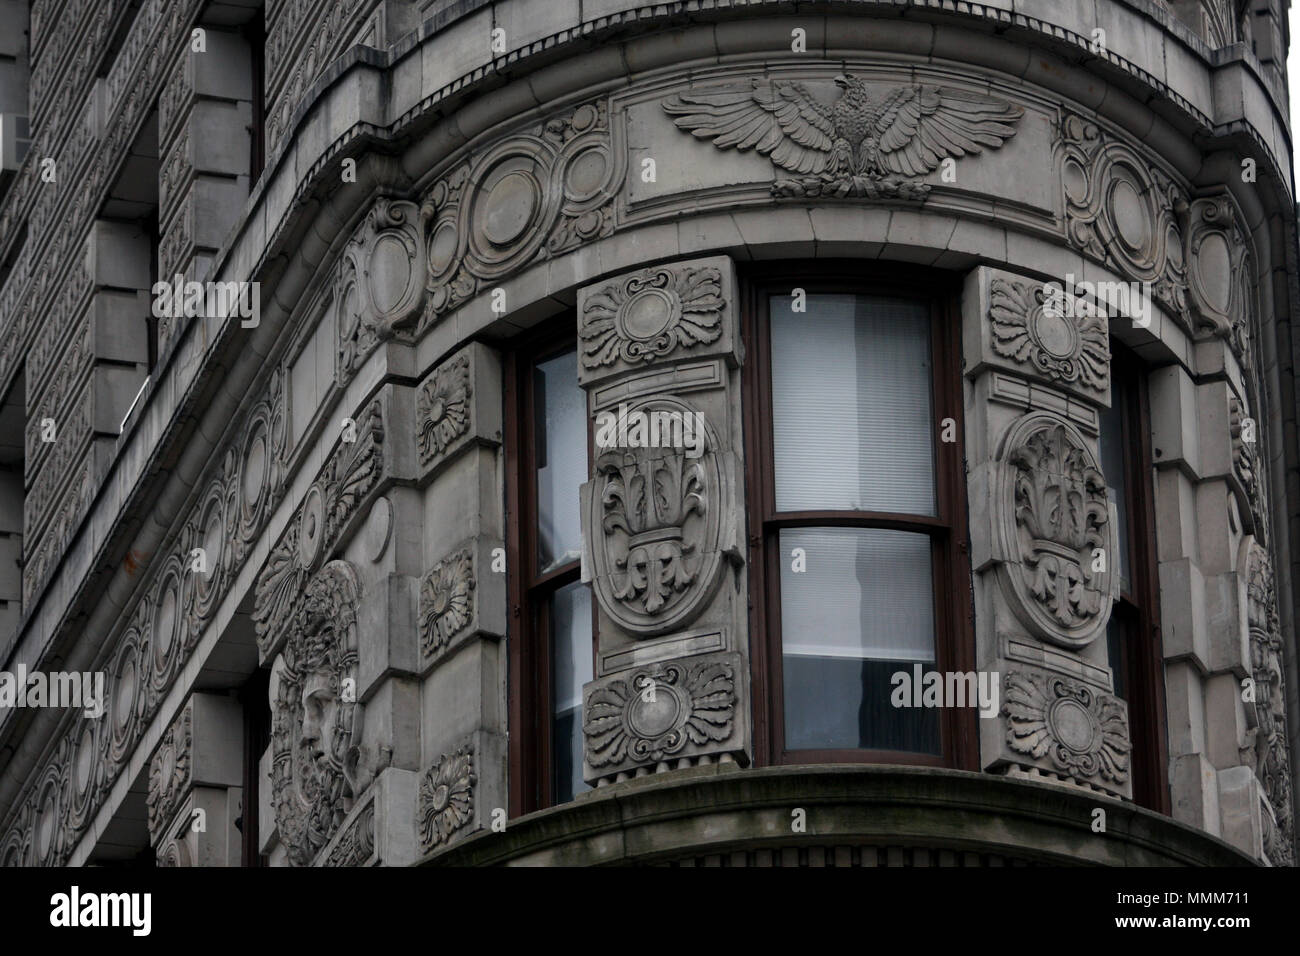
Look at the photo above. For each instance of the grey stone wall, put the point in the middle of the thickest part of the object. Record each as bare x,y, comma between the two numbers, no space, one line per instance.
340,464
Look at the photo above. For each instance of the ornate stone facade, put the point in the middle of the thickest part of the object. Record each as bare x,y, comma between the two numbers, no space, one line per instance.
308,527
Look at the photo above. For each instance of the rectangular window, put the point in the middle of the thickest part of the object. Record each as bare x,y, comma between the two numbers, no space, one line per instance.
1133,637
552,654
857,519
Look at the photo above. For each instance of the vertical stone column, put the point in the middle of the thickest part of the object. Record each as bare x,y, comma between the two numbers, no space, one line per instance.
662,521
460,619
195,785
1043,535
204,118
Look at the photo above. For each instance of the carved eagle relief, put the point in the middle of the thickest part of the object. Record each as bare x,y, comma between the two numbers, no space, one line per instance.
860,146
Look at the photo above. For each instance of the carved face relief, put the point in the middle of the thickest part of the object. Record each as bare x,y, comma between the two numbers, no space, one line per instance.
1056,542
316,717
657,509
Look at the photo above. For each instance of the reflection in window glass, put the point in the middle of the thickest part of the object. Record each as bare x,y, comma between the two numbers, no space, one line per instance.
862,610
851,416
570,628
561,452
1112,466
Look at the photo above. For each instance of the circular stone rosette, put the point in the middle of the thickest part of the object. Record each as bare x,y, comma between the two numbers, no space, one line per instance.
1053,538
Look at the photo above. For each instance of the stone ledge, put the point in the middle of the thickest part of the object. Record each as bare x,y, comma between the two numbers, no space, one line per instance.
716,810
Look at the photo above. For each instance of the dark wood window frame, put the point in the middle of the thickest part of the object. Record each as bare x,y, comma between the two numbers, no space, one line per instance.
530,591
954,636
1139,607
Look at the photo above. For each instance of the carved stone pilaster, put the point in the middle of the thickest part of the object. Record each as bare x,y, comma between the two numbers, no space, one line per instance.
1043,532
658,354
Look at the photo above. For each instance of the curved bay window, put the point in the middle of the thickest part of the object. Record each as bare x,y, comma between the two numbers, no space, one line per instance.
551,651
1133,635
857,525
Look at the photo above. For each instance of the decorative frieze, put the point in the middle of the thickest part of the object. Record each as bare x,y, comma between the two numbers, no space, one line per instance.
380,284
357,844
162,627
169,772
352,472
1122,210
873,141
534,194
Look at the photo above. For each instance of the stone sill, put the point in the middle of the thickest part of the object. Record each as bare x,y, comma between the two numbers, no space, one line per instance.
708,811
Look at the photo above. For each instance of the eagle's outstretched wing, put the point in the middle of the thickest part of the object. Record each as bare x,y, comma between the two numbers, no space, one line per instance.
780,119
918,127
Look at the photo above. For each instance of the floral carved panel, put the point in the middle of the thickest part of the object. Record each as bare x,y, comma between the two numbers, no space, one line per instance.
446,797
1032,329
1067,726
651,315
1055,541
661,712
446,604
654,519
444,407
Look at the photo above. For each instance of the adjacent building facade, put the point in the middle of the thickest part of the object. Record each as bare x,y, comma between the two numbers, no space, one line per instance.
696,433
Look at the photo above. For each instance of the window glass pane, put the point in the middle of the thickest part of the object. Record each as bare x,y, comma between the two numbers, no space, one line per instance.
1112,466
561,440
851,416
860,611
1115,651
570,620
